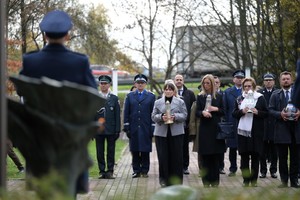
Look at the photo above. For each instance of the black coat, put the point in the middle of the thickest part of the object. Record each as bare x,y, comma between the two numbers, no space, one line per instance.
282,134
189,98
208,128
296,93
270,120
255,142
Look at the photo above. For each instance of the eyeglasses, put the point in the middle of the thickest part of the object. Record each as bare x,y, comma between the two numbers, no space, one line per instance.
246,86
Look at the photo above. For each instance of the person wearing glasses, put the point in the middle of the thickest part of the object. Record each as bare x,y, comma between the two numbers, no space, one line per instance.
269,149
250,109
209,110
139,126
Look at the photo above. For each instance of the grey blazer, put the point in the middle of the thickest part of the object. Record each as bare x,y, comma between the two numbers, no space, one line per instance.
178,109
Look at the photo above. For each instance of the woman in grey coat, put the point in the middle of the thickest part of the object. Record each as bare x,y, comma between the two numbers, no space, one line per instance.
169,137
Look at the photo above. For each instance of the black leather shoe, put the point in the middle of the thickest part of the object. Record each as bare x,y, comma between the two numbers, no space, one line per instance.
136,175
110,175
273,175
144,175
283,185
295,185
231,174
262,176
102,176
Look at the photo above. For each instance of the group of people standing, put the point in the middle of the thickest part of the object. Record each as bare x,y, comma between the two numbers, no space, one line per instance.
167,118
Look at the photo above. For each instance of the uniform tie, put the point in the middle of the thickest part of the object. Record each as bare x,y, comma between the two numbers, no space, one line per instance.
140,95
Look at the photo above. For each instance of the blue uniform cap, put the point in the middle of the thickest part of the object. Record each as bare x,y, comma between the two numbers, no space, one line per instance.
239,73
140,77
104,79
56,23
268,76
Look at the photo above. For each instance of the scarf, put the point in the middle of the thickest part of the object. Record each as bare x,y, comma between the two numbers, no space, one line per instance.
245,123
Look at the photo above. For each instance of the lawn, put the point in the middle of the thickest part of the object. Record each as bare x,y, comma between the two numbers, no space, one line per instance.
13,172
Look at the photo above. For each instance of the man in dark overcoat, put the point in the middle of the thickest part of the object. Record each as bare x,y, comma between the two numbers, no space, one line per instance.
57,62
188,98
229,97
112,126
287,132
269,148
139,126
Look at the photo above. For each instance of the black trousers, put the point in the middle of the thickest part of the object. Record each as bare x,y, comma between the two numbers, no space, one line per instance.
285,172
170,159
250,175
110,152
210,172
140,162
232,159
186,154
13,155
269,152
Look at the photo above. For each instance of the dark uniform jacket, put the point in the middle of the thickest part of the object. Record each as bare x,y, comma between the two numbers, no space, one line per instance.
229,97
112,115
137,119
57,62
282,135
270,120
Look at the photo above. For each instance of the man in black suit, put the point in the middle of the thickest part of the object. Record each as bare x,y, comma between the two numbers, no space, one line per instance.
57,62
189,98
112,127
269,148
287,131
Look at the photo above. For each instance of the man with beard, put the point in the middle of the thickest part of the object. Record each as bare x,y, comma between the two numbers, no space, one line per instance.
287,131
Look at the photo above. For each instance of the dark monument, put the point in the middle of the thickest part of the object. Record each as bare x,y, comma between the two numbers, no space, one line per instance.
53,127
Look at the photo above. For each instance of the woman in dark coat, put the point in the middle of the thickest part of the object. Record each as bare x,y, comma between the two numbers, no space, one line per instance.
250,109
210,148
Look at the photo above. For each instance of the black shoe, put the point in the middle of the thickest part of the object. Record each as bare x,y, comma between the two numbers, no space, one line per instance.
231,174
283,185
273,175
262,175
110,175
144,175
186,171
102,176
221,171
295,185
136,175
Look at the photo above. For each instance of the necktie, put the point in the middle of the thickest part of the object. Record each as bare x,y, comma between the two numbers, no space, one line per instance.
140,95
287,96
239,91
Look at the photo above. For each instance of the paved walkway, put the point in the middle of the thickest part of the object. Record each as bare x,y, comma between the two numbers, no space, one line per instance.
124,187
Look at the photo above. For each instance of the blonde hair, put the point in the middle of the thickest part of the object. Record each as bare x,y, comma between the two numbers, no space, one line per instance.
211,78
249,79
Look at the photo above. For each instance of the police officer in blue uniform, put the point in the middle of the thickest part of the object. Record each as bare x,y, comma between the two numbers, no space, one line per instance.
229,97
112,126
139,126
57,62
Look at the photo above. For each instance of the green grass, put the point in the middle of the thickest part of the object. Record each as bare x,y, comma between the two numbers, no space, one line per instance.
13,172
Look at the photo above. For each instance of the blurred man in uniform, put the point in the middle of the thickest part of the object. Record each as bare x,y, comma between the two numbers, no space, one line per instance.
57,62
